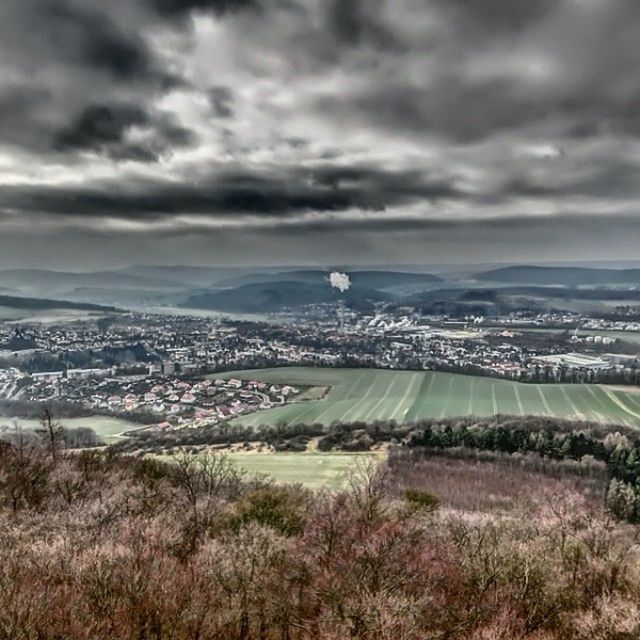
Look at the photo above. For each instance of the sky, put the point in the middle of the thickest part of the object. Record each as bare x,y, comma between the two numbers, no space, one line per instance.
318,131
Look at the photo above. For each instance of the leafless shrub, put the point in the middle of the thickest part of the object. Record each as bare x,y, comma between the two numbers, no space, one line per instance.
104,549
491,482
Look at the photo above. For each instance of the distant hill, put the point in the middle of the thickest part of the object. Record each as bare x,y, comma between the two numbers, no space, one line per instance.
312,276
366,279
38,281
564,276
562,293
470,301
168,285
39,304
492,295
127,297
274,296
186,275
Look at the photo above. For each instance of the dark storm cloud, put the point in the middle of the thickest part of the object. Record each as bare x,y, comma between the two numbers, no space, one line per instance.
361,116
355,22
388,188
499,15
345,18
60,58
100,125
103,129
180,7
327,189
92,38
173,134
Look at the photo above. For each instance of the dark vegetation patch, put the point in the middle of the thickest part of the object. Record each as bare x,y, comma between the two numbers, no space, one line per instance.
44,304
62,410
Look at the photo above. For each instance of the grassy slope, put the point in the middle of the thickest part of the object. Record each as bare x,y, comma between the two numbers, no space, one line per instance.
313,470
104,426
369,394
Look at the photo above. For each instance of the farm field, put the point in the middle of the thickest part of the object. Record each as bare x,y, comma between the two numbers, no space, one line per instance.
313,470
106,427
404,396
12,314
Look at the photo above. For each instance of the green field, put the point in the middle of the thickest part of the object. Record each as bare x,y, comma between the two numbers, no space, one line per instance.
104,426
313,470
372,394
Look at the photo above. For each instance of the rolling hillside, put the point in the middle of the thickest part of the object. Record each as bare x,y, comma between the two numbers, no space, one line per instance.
371,394
564,276
273,296
18,308
61,284
45,304
488,300
366,279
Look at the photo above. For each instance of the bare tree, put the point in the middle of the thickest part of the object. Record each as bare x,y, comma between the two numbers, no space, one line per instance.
205,475
51,433
368,483
24,472
204,479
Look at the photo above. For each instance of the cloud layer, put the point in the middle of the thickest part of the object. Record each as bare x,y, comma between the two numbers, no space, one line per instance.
483,126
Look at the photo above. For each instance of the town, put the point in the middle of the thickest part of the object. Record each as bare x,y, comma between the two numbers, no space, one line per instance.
155,367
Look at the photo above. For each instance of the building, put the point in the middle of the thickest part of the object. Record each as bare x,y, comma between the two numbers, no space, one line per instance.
574,361
47,376
168,368
73,374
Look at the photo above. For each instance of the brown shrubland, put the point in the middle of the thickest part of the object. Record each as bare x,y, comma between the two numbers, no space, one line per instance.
94,546
489,482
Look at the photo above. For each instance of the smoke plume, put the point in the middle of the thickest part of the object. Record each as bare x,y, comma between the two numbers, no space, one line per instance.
340,281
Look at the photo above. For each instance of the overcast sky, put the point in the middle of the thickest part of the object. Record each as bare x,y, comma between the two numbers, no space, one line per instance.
319,131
